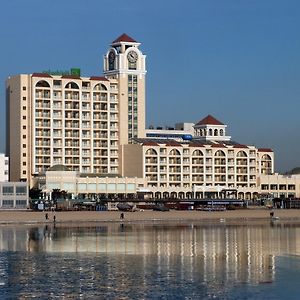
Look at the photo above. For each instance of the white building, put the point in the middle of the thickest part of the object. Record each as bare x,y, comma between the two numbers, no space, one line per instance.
4,164
14,195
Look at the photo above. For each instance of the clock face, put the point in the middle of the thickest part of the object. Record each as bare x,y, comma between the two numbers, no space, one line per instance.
132,56
111,56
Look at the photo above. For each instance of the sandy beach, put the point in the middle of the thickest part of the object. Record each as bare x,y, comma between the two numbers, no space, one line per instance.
31,217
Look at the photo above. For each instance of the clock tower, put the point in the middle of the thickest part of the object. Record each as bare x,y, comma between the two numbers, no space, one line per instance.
125,63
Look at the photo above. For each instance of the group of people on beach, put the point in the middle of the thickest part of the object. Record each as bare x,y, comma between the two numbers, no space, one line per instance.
47,217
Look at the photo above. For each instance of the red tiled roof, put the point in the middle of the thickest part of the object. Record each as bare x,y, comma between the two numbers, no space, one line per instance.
265,150
240,146
124,38
98,78
173,144
218,146
209,120
41,75
196,145
149,143
70,76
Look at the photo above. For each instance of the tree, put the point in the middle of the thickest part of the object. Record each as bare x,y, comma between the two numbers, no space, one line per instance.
35,193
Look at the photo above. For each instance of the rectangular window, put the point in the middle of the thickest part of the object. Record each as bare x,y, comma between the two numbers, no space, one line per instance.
21,190
24,98
24,88
8,203
21,203
8,190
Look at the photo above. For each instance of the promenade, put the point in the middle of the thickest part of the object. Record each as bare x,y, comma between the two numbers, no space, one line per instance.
30,217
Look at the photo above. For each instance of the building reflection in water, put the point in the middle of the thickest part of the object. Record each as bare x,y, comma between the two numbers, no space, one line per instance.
214,252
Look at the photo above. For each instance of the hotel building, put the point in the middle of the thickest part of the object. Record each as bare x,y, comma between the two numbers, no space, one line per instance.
210,164
79,122
95,126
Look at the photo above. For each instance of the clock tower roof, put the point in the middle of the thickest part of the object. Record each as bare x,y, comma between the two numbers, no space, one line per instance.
124,38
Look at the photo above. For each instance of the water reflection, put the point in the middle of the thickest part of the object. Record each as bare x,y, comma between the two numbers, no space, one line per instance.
210,256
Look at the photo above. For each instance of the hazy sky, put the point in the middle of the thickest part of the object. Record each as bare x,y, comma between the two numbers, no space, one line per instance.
238,60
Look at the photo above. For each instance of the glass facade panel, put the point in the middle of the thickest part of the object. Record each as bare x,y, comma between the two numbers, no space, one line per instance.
81,186
68,186
130,187
92,187
111,187
101,187
121,186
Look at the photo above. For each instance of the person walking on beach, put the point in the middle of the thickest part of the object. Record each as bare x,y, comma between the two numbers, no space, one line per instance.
46,216
54,218
122,216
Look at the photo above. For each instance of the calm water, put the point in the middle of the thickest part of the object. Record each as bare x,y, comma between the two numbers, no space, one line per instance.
146,261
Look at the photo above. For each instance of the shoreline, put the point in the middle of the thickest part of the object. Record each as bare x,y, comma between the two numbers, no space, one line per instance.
81,217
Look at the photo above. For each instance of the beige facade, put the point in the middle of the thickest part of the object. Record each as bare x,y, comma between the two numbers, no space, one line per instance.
209,164
280,186
96,125
76,121
91,186
62,120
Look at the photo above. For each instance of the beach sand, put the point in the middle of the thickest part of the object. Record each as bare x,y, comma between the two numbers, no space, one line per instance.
30,217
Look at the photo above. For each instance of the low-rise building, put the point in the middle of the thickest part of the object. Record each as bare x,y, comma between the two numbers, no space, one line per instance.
280,186
14,195
91,186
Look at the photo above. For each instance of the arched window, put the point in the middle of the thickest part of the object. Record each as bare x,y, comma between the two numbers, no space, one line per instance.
103,87
219,153
72,85
266,157
42,83
174,152
100,87
197,153
216,132
221,132
241,154
151,151
210,132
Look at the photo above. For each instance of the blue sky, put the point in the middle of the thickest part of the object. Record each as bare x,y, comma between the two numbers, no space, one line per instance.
238,60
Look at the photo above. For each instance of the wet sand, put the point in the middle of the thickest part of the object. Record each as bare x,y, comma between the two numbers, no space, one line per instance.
30,217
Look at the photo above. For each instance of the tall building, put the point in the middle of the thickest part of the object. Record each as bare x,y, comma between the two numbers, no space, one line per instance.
125,63
76,121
